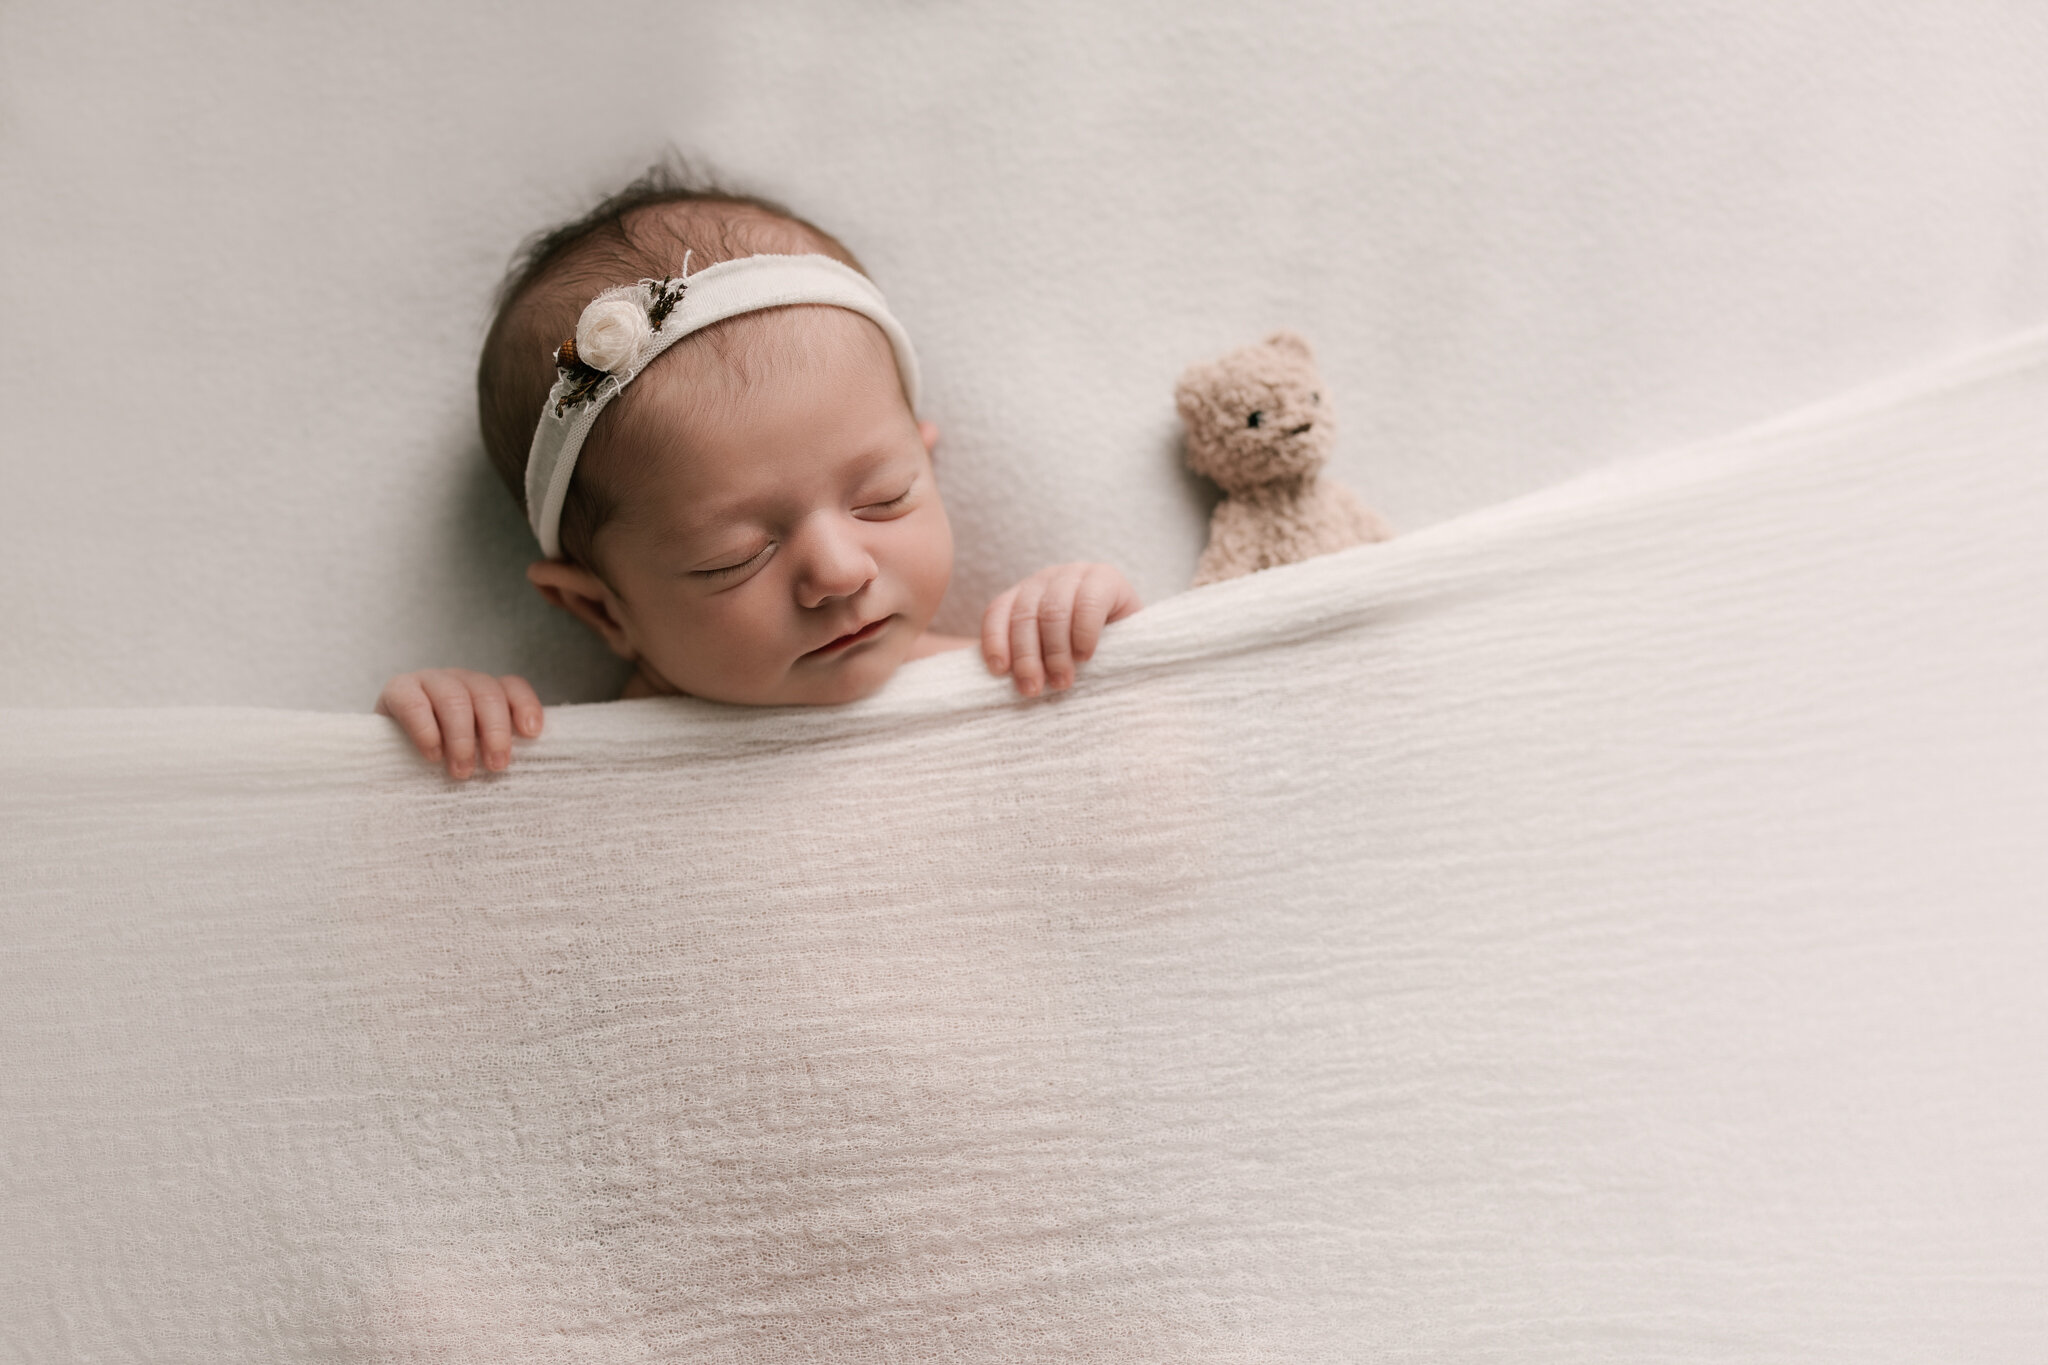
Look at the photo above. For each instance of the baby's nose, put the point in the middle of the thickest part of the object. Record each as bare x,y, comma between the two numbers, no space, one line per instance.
835,566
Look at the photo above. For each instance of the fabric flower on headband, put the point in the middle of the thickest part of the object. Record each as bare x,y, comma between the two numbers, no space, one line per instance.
613,335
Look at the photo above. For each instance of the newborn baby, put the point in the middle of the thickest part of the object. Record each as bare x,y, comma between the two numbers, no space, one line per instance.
750,516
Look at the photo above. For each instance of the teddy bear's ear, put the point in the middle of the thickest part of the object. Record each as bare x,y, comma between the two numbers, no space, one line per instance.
1292,343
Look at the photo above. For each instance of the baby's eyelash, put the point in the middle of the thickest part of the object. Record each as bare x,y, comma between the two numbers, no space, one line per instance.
723,570
898,500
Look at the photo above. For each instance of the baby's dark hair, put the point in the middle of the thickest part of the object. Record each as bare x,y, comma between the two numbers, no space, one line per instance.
640,232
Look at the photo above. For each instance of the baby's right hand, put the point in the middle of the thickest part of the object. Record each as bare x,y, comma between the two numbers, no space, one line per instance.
455,712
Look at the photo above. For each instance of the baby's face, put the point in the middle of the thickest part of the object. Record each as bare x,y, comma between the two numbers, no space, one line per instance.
785,542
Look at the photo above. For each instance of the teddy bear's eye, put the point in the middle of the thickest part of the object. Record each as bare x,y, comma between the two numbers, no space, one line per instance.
1255,419
1315,398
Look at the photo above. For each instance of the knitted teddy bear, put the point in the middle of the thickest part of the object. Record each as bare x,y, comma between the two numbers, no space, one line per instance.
1258,426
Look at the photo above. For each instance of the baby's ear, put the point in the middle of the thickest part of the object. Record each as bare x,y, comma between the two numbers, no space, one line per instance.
1293,344
583,595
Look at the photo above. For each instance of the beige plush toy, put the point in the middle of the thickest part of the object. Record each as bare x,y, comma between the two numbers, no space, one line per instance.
1258,425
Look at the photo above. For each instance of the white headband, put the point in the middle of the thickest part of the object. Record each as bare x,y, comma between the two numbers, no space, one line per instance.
623,329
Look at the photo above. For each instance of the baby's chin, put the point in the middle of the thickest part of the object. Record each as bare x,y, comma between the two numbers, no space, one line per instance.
850,691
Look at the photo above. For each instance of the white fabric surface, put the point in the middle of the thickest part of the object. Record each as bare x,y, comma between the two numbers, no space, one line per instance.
245,251
1604,928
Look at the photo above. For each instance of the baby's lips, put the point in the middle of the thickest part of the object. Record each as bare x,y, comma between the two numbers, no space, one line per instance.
870,630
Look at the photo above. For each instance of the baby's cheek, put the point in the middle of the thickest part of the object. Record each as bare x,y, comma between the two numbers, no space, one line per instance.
931,561
684,646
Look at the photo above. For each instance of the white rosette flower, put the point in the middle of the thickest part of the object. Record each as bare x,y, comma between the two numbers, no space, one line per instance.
611,334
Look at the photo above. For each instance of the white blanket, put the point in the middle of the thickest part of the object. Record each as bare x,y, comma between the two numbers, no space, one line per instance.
1605,928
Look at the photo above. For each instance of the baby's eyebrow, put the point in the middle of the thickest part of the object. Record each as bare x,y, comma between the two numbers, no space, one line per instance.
691,535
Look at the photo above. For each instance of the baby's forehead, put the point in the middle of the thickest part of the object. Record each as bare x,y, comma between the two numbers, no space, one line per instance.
727,408
803,337
721,374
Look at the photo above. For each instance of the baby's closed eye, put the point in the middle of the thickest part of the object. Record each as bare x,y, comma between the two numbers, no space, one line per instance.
724,569
893,503
882,508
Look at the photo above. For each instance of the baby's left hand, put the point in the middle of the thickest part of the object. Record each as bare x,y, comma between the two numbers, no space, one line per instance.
1037,631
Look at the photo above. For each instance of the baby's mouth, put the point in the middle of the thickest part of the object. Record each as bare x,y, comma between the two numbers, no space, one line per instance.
861,636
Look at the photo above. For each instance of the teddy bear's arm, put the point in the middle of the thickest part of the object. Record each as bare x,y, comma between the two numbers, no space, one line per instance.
1233,550
1367,524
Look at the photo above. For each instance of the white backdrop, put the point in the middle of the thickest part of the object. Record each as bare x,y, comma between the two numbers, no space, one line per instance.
247,250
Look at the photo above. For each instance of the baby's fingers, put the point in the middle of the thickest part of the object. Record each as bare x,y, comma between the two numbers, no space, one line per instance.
1104,596
505,707
405,701
995,633
457,715
1056,625
525,704
1027,670
493,721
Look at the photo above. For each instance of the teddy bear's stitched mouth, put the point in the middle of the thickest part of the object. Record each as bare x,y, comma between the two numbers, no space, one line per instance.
1296,431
